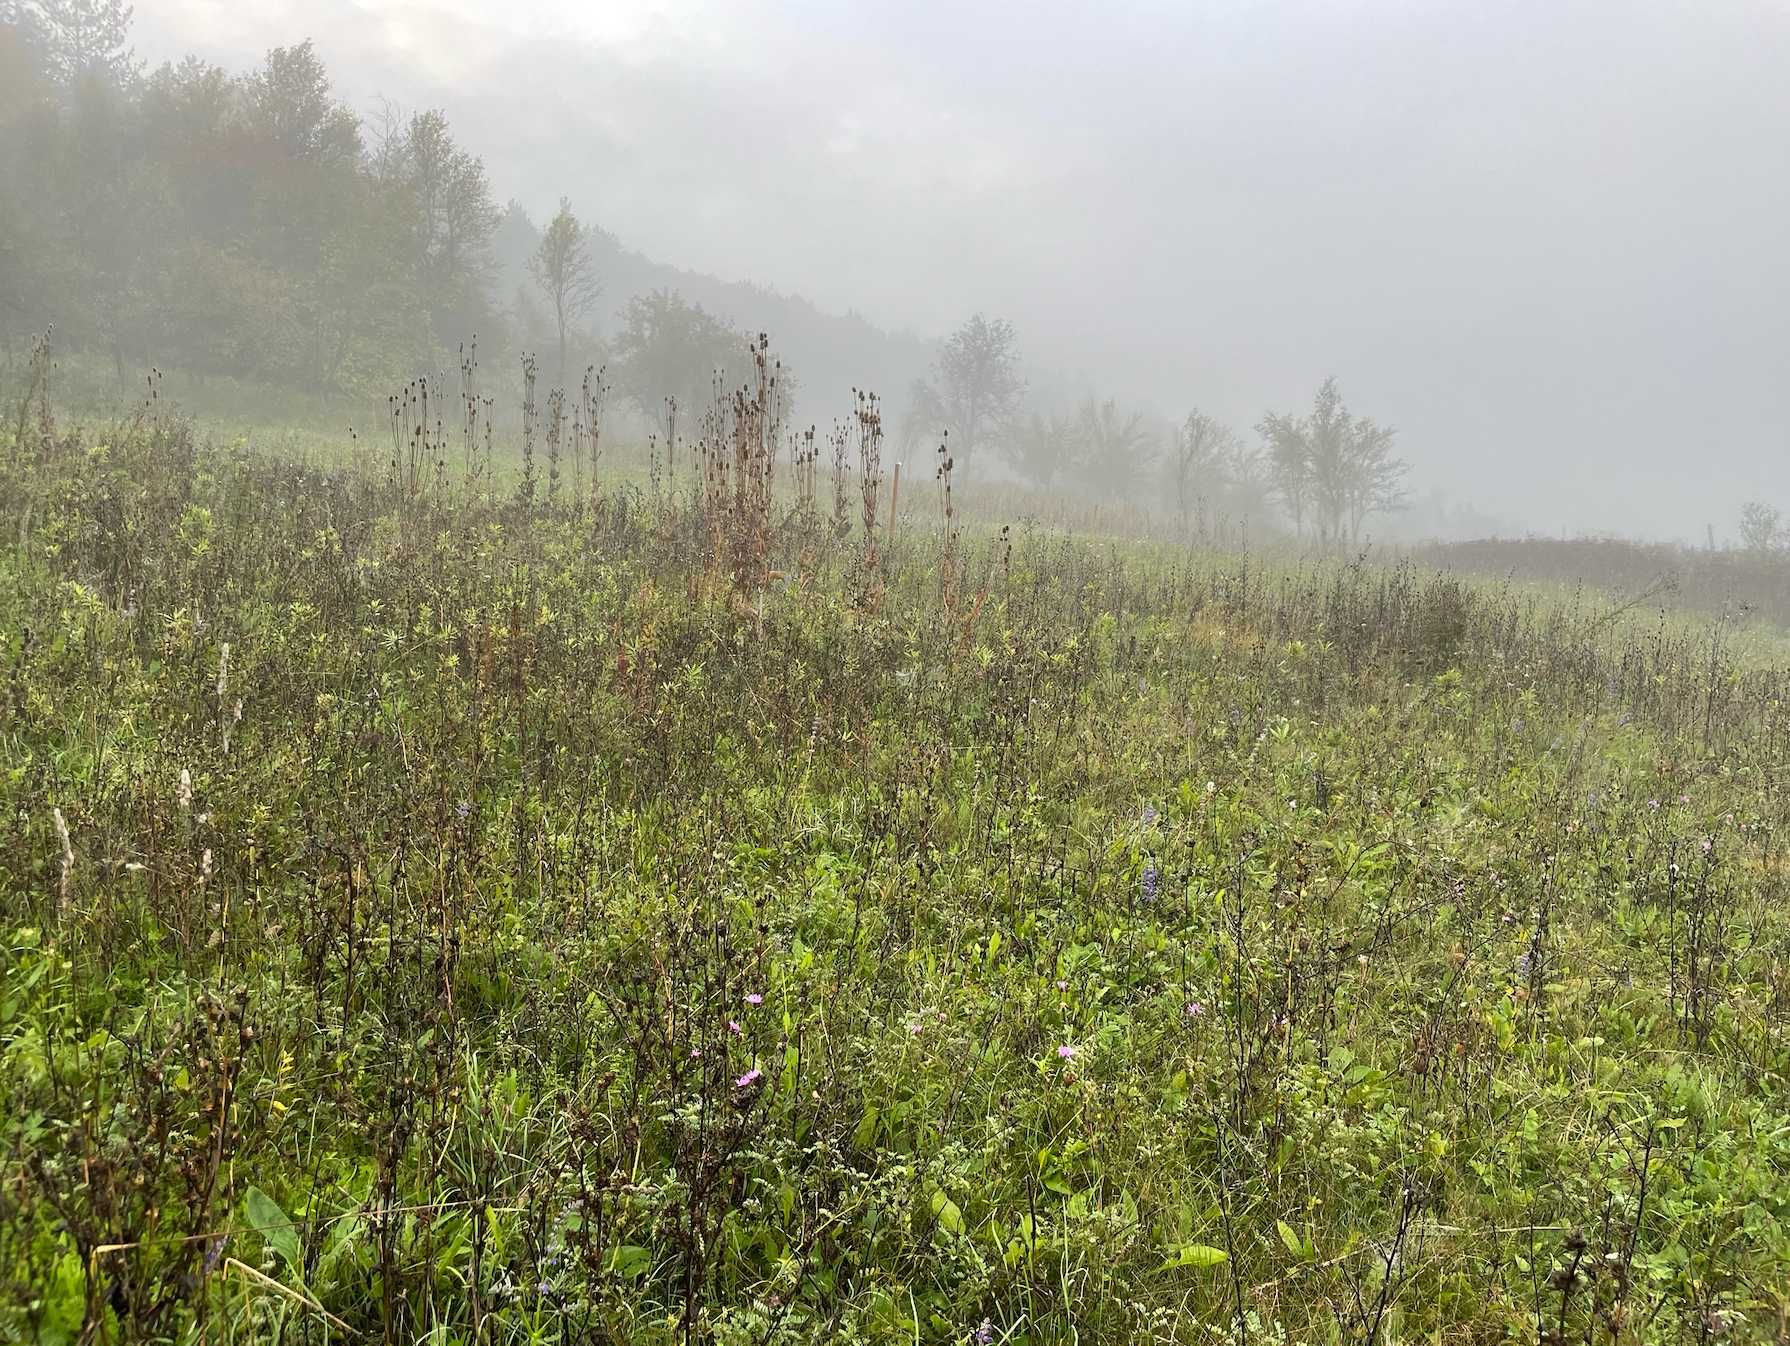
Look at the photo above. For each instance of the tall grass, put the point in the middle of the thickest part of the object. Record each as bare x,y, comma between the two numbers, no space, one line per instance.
450,909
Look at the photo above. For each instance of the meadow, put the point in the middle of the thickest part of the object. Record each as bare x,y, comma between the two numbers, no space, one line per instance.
459,905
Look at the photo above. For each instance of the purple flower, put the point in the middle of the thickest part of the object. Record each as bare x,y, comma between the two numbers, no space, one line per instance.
750,1078
733,1026
1066,1051
1149,815
916,1029
1150,878
985,1333
214,1251
755,999
1195,1009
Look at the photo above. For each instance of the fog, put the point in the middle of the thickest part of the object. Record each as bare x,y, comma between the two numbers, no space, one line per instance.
1545,241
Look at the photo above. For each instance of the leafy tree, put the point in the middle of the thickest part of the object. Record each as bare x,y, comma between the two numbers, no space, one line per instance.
975,387
1200,463
668,347
1332,468
561,266
1762,527
453,219
78,37
1042,446
291,109
1116,448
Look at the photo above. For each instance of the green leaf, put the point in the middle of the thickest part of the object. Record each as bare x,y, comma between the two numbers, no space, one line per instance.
274,1226
630,1262
1195,1255
867,1128
1295,1245
949,1217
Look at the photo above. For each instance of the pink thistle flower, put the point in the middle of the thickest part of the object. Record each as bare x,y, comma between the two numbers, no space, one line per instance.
750,1078
733,1026
755,999
1066,1051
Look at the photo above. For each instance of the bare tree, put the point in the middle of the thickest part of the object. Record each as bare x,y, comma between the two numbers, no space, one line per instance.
975,387
561,266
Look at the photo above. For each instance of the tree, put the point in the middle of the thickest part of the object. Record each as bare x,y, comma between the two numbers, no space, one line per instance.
561,266
1331,467
292,109
453,221
975,387
1042,446
668,347
78,37
1116,448
1762,527
1203,448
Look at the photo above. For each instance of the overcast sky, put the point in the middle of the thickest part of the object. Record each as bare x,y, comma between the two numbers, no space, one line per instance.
1549,241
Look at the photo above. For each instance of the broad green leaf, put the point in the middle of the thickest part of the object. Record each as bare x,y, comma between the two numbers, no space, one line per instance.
949,1217
1288,1237
1195,1255
274,1226
630,1262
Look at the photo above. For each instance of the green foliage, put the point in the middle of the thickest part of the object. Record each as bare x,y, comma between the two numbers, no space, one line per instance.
433,917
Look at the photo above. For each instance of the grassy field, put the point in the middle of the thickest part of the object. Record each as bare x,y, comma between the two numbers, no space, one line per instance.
674,912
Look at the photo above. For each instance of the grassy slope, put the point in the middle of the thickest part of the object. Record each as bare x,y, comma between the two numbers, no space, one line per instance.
568,947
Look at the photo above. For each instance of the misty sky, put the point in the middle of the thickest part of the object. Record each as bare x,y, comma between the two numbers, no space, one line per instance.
1547,240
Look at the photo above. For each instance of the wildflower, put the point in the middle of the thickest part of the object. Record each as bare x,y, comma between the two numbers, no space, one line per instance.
1150,878
1653,804
750,1078
733,1026
1062,985
463,810
1195,1009
214,1251
1525,963
1066,1052
1150,816
1211,786
755,999
916,1028
695,1052
985,1333
185,793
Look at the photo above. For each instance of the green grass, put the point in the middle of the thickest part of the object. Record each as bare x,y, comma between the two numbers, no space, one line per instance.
488,923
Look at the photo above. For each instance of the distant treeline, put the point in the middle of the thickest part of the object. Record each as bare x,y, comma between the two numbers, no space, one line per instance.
1747,583
252,226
